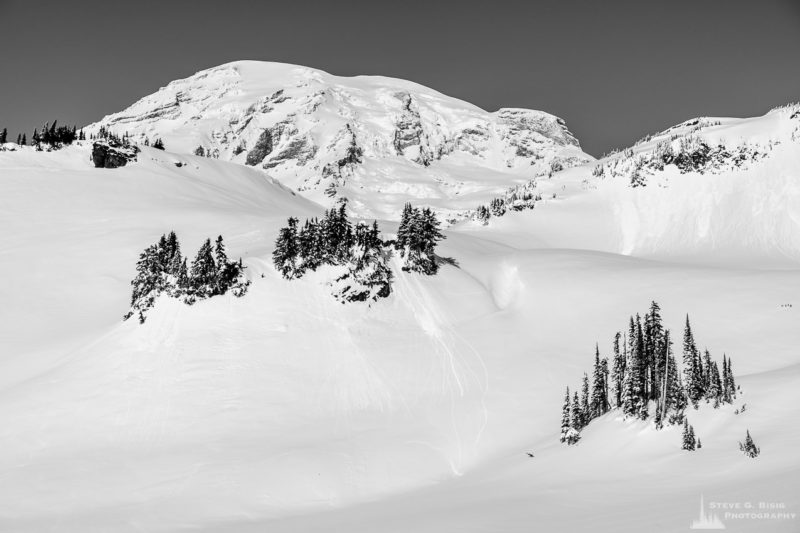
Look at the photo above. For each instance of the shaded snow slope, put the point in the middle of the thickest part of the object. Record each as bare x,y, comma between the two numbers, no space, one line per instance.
379,141
287,411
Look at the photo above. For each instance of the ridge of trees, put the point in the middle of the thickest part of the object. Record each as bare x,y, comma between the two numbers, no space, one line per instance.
334,240
51,136
162,269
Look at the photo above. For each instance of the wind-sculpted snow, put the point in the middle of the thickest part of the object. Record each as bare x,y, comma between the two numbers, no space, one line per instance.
299,124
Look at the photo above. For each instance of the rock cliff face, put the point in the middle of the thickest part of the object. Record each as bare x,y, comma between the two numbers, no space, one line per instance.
325,135
107,154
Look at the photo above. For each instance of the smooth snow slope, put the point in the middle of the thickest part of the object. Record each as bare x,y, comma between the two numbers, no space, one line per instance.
287,411
300,124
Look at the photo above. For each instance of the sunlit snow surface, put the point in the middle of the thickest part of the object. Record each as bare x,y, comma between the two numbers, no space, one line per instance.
288,411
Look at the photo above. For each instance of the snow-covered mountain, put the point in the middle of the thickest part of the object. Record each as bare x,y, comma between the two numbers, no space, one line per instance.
707,190
362,137
285,410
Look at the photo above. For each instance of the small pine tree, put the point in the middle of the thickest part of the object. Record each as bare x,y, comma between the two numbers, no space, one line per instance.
158,144
404,231
577,420
565,418
3,136
585,409
223,266
599,402
617,371
286,255
749,447
689,442
148,283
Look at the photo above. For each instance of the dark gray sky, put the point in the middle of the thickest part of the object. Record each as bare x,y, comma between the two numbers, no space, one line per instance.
614,70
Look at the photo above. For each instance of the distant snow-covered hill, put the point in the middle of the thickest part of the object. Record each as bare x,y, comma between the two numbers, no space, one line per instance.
707,190
379,141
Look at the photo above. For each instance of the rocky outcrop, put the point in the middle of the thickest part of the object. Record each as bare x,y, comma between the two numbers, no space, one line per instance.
261,150
338,171
109,154
408,133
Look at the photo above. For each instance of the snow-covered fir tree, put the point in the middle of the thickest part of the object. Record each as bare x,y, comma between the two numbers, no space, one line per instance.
688,441
565,417
417,238
286,256
577,420
617,370
599,401
748,447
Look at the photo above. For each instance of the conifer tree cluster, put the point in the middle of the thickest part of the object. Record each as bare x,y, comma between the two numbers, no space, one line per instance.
162,269
748,447
335,241
51,136
416,240
112,138
642,378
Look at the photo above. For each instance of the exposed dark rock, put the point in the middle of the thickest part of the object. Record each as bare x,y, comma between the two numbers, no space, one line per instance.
261,150
300,150
108,154
339,170
409,132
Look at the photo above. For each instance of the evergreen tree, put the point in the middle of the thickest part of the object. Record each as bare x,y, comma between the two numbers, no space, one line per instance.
565,418
585,410
224,270
599,402
203,273
369,276
24,140
416,239
689,442
19,139
706,374
285,257
404,231
617,371
637,398
675,399
749,447
173,259
691,370
3,136
148,283
183,276
714,390
311,244
158,144
654,339
577,419
731,380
